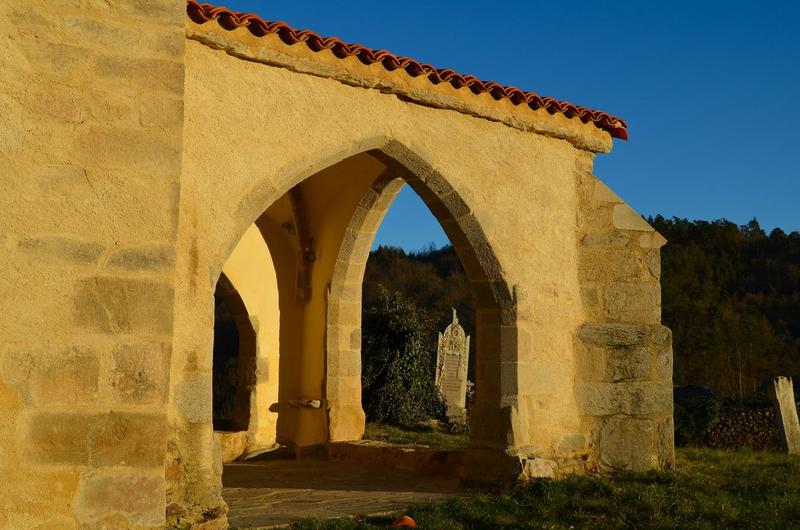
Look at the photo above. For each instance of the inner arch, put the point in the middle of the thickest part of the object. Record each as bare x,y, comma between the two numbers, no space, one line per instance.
494,303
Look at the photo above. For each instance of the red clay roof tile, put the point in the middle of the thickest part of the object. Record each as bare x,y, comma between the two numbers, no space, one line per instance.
230,20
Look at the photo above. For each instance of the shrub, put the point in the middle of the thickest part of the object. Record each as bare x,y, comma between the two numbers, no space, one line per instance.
692,423
397,372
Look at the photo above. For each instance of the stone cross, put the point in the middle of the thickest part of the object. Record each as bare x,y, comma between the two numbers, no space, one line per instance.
782,396
452,358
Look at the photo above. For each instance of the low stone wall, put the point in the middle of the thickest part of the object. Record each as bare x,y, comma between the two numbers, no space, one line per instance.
406,458
751,428
232,445
452,462
727,425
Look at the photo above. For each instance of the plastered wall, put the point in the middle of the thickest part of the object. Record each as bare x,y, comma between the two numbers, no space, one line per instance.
251,271
315,123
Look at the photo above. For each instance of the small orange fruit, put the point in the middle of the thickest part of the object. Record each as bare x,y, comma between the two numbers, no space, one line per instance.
406,521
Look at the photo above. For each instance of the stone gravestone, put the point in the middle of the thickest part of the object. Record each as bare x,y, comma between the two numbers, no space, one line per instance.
452,358
782,395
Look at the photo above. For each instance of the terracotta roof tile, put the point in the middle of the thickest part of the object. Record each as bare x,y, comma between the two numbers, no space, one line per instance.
230,20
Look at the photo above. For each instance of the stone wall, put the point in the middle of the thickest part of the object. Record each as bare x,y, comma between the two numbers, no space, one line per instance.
624,353
90,158
118,217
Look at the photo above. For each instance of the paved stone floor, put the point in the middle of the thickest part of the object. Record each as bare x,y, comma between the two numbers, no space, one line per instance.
268,493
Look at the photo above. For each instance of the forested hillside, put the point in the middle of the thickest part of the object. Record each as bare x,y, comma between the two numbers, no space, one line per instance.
731,295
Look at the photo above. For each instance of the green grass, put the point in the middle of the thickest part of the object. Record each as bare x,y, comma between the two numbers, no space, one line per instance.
418,435
710,489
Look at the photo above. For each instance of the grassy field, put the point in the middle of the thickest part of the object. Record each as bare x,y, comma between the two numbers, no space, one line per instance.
419,435
709,489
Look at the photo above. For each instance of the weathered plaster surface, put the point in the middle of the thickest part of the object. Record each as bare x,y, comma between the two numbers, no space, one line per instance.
350,71
314,122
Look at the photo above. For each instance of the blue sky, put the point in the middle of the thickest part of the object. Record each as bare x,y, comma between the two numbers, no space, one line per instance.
710,90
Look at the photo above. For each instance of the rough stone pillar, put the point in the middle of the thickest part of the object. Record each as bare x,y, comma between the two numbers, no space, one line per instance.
194,461
782,396
346,419
624,353
90,151
499,418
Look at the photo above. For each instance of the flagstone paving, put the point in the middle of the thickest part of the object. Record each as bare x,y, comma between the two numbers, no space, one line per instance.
270,493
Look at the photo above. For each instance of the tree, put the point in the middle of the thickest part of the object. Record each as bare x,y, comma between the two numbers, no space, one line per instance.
731,295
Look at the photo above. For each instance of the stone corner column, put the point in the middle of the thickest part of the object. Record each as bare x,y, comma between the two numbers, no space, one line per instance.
499,438
624,384
345,423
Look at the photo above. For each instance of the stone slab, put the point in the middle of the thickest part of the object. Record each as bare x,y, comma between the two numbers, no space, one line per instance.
270,493
782,395
452,362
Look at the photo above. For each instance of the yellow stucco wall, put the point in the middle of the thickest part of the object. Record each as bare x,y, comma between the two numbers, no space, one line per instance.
251,271
535,252
328,200
309,123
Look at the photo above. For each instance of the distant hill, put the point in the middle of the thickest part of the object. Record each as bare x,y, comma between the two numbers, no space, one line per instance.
731,295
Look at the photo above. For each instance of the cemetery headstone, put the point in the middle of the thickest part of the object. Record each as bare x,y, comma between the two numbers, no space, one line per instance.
452,359
782,396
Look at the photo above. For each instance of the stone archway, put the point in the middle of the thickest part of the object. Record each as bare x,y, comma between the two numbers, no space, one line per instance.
493,424
193,465
510,197
235,352
248,290
126,225
496,427
343,333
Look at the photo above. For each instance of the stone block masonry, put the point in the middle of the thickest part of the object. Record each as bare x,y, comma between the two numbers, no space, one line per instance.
625,354
90,136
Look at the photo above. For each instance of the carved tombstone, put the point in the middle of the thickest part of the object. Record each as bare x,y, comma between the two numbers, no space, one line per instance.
782,395
452,358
